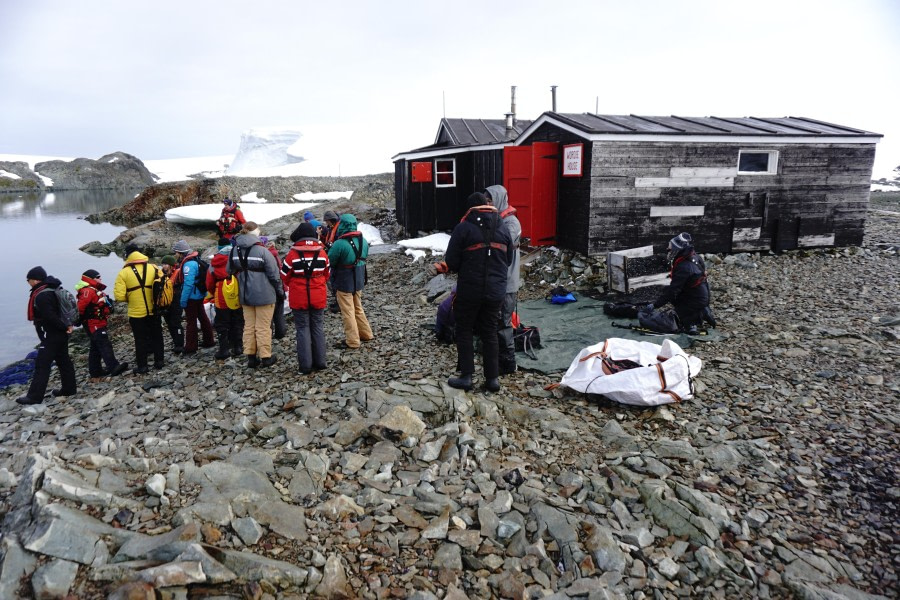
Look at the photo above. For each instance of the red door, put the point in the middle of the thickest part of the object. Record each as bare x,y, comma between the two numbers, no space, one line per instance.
530,176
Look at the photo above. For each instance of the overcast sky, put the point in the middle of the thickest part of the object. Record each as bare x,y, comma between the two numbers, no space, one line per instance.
365,80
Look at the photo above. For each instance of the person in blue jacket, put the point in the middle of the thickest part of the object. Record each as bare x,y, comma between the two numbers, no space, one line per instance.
192,297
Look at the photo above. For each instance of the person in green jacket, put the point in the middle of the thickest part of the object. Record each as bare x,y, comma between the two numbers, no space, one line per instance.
348,275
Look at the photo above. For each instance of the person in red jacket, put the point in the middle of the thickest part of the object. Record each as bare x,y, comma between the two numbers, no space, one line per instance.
94,308
305,270
229,322
231,219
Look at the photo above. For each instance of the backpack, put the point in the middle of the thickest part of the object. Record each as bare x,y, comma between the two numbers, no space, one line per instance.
200,280
163,291
231,292
662,321
526,339
68,306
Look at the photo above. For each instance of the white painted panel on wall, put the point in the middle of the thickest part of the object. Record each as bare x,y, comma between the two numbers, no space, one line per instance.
815,241
653,182
746,233
702,172
676,211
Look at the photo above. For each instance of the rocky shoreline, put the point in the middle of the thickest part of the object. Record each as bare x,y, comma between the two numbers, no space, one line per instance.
373,479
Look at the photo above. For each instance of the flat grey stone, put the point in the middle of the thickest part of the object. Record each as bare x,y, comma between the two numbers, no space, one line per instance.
253,459
214,571
156,485
58,538
53,579
141,546
604,549
248,530
16,564
180,573
287,520
251,567
448,556
334,584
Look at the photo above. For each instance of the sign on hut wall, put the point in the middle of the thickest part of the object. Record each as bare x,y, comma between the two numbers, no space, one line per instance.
573,159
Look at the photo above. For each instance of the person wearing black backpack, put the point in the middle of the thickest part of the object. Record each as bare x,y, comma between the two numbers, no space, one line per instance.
134,285
192,276
53,332
259,285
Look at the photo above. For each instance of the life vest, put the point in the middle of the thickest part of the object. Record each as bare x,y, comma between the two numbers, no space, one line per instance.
97,310
486,208
228,222
311,263
357,251
694,259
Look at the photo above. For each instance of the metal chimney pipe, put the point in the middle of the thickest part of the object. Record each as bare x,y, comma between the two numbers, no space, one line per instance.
553,94
509,121
512,108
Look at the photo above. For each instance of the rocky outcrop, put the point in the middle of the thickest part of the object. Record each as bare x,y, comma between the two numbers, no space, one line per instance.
18,177
152,203
112,171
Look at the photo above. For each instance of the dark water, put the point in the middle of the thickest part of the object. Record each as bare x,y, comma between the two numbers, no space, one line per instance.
47,230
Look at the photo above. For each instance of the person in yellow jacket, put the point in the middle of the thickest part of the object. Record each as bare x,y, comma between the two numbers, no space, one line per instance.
134,285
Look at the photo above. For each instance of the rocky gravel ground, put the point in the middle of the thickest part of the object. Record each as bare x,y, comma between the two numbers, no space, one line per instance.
373,479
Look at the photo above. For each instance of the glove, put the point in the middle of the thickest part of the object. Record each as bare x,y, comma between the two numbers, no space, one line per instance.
438,267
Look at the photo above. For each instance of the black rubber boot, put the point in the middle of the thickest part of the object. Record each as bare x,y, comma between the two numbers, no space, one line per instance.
222,353
252,361
492,385
463,382
507,367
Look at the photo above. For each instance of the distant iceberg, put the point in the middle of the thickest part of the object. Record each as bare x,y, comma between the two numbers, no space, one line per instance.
263,149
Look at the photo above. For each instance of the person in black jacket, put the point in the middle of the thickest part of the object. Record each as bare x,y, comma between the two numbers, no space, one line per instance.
43,310
480,251
688,290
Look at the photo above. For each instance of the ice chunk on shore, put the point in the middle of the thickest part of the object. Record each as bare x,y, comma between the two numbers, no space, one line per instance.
202,214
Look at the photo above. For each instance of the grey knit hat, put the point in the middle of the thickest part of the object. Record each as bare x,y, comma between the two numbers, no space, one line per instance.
330,215
681,241
182,247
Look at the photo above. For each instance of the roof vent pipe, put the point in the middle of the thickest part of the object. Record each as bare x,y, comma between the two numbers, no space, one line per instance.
510,118
553,95
512,108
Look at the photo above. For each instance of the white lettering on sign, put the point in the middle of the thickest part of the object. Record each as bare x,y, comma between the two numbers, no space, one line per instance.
572,160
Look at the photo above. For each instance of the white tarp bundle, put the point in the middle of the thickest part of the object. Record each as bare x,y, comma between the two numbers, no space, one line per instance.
663,377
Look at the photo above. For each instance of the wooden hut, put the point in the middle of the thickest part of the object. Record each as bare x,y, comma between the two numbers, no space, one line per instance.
594,183
432,183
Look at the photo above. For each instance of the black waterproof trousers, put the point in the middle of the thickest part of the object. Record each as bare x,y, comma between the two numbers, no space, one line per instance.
173,324
230,329
148,340
477,316
101,349
54,348
505,337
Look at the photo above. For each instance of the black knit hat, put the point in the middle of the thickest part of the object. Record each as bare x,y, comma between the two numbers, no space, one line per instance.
224,241
37,273
131,247
304,230
92,273
476,199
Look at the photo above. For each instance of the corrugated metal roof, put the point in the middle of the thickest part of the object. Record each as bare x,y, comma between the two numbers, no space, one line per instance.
756,126
476,132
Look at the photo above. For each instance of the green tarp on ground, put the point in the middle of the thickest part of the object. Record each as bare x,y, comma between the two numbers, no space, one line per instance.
567,328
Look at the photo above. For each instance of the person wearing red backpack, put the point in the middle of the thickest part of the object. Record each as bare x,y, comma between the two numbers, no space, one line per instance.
229,322
52,331
231,219
305,270
94,308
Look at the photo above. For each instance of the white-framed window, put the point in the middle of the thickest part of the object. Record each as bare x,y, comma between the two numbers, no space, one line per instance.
757,162
445,172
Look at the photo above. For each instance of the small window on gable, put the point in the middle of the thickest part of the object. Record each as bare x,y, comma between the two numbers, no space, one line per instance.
445,172
758,162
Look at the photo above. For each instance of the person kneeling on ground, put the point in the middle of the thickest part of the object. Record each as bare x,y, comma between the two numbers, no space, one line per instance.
305,270
688,290
260,285
94,308
480,250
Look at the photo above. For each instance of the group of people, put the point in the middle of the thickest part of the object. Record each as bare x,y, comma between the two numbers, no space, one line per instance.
246,281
